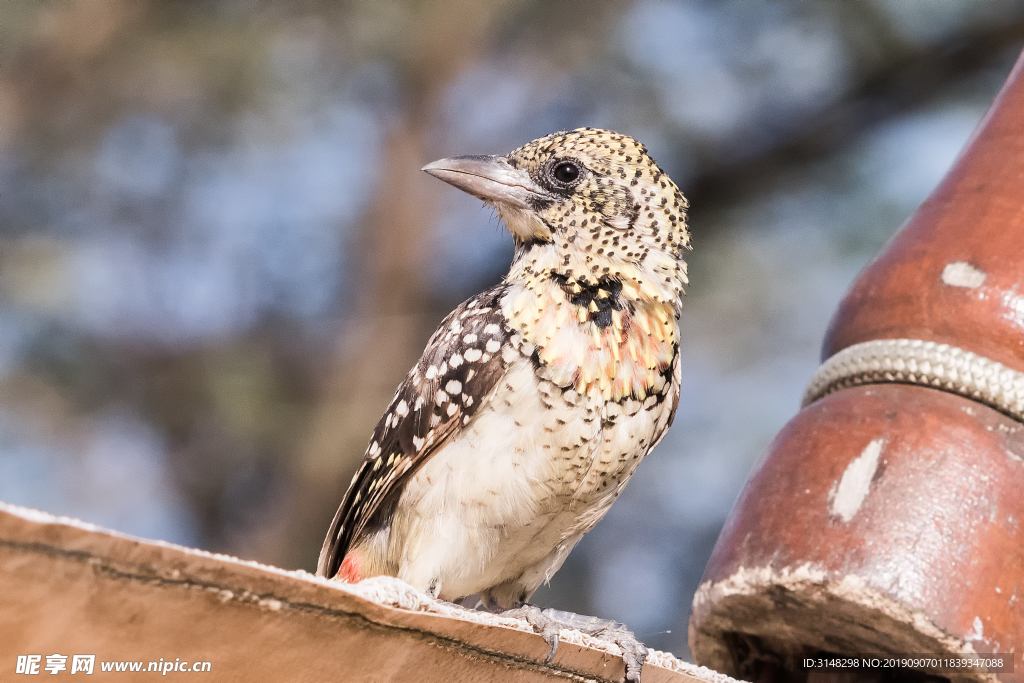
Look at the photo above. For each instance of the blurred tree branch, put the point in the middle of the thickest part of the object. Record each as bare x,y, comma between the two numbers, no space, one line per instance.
897,86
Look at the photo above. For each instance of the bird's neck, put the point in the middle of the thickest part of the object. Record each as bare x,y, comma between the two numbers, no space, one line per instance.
657,278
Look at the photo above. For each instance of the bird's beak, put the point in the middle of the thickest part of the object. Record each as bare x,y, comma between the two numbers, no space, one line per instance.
490,178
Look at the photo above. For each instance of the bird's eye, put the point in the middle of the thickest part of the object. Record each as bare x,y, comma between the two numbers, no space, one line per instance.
566,172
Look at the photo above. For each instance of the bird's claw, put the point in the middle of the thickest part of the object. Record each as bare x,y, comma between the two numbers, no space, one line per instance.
550,621
548,628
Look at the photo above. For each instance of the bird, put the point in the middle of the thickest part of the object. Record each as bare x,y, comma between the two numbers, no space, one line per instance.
535,400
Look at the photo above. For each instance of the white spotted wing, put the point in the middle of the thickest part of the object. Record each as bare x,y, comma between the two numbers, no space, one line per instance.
460,366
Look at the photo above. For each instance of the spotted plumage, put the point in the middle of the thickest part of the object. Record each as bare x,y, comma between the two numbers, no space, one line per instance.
459,367
533,402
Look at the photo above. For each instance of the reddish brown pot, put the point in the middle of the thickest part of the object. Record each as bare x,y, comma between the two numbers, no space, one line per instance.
887,517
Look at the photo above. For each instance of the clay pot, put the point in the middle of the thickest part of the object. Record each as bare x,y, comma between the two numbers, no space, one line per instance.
888,516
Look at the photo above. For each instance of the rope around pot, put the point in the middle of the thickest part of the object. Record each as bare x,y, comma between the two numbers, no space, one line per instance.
926,363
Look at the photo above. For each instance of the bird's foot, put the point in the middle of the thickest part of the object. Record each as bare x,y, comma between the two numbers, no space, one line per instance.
550,621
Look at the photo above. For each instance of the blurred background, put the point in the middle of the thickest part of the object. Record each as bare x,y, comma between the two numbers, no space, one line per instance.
218,256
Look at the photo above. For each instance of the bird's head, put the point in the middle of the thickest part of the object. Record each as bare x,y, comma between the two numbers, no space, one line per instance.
586,206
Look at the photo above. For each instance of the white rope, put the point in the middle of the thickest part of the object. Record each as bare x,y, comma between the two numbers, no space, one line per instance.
912,361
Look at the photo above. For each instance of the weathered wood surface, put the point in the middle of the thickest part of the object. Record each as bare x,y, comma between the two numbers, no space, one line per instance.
69,588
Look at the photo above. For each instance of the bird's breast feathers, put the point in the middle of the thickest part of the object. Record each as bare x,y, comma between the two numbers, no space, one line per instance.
606,340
